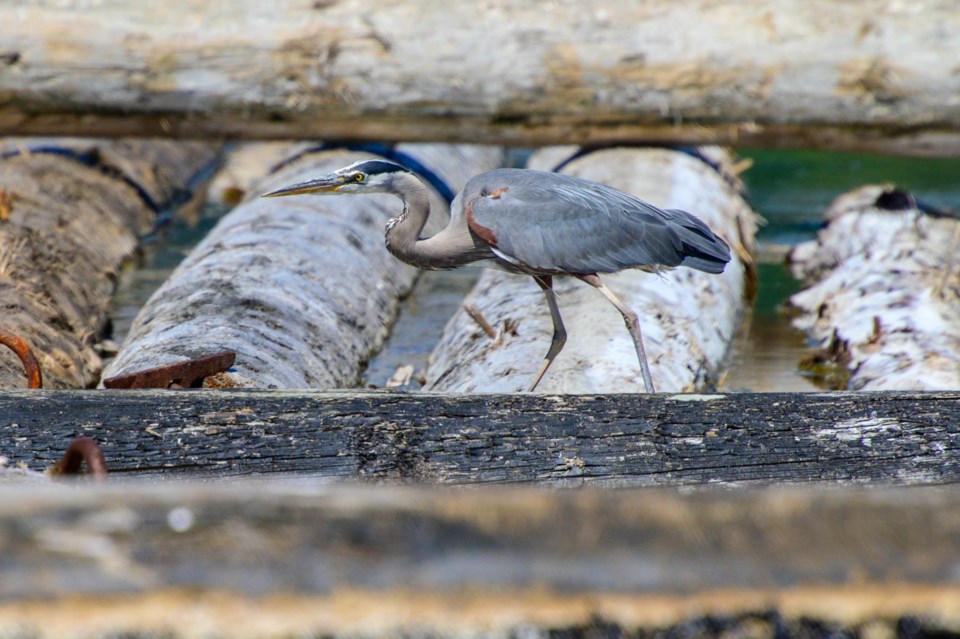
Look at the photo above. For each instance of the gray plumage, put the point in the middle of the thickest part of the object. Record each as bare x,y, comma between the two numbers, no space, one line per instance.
539,223
558,224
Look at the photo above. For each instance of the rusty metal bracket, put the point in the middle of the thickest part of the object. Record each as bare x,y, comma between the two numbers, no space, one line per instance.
30,364
186,374
82,450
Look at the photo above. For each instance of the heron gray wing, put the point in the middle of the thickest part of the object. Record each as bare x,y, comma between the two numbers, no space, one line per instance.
549,222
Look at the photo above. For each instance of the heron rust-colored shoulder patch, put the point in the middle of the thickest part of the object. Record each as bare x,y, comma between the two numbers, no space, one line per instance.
481,231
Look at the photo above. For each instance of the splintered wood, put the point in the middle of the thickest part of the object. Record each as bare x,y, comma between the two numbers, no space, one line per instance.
882,293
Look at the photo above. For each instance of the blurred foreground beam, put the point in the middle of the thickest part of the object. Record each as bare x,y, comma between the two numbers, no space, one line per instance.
872,76
303,559
566,440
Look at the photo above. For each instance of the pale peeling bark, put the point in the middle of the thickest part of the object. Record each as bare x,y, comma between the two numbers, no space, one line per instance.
883,292
688,318
871,75
69,218
301,288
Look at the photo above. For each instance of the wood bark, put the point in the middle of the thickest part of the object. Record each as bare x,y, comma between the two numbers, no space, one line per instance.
297,558
882,294
71,213
301,288
688,318
615,440
873,75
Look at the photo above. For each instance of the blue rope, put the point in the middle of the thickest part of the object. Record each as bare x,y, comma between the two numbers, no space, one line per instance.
87,159
692,151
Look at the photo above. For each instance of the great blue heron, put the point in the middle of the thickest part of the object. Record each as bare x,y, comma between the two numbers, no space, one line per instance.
538,223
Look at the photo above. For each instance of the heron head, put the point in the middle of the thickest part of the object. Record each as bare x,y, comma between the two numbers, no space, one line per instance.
365,176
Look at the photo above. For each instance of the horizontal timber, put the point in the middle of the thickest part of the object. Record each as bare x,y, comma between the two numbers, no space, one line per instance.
873,76
569,440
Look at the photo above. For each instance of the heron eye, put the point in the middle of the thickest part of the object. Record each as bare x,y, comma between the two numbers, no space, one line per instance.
358,177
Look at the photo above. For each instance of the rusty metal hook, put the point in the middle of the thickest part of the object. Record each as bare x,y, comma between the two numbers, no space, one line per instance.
30,364
82,449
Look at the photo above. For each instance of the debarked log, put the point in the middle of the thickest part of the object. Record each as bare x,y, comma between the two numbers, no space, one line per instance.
558,440
302,289
688,318
71,213
882,293
873,75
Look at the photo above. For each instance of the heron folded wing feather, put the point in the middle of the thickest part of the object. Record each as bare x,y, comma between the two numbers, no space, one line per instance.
555,223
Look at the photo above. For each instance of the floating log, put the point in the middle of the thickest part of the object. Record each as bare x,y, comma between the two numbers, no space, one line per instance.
882,292
71,213
302,289
688,318
871,76
249,559
571,440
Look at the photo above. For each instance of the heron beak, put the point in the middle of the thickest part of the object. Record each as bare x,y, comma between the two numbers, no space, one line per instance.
323,184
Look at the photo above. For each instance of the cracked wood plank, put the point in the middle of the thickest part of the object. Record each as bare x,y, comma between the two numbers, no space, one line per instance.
618,440
872,76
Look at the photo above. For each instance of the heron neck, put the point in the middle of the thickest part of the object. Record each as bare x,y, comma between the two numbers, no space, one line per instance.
403,231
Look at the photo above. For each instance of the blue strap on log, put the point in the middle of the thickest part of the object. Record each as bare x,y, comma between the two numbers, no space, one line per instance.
162,211
692,151
91,160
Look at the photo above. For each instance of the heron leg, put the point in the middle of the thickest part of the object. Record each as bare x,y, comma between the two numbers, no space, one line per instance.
545,282
633,326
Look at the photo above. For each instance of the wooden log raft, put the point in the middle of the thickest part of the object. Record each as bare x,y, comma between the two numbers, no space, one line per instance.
302,289
71,213
882,292
871,75
572,440
303,559
688,318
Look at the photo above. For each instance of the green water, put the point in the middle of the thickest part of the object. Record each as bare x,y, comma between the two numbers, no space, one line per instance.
791,189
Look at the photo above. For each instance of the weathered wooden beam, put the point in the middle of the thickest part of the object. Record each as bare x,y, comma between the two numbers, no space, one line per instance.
634,440
310,559
872,75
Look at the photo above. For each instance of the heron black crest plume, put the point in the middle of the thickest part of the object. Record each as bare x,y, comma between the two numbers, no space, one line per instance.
538,223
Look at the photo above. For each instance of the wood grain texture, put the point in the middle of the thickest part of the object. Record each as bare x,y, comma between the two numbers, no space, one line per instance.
874,75
615,440
688,318
74,213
